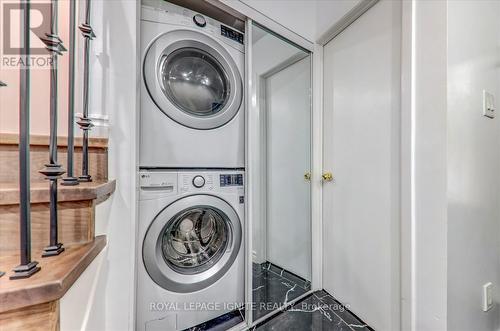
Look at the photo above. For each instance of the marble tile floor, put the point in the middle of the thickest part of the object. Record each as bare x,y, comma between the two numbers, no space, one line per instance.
273,287
317,312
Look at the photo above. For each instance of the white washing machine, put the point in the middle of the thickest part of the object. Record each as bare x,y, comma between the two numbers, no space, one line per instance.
192,90
191,253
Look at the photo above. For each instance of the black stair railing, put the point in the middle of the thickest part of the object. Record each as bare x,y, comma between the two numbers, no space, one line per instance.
85,122
53,170
70,179
2,84
26,268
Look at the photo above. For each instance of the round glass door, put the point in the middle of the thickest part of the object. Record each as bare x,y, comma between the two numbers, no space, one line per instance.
192,243
193,79
195,239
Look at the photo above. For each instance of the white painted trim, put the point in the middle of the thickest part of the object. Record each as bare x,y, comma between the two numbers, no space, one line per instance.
248,174
429,166
317,168
135,162
346,20
407,40
285,64
262,100
269,23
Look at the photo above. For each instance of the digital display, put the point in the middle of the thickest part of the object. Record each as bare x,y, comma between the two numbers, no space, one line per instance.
231,180
231,34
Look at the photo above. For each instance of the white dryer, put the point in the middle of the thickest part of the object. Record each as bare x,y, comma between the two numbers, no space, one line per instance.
190,266
192,90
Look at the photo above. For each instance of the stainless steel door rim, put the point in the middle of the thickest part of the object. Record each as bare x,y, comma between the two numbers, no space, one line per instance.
217,76
175,278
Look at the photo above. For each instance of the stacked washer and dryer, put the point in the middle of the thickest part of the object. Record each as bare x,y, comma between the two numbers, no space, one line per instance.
191,178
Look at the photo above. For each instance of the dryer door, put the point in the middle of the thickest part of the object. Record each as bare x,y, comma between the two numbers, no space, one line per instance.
192,243
193,79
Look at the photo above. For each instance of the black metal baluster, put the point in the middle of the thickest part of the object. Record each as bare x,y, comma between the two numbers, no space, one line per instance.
85,122
53,170
70,179
26,268
2,84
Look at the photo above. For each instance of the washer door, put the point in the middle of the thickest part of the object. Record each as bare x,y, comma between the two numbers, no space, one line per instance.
193,79
192,243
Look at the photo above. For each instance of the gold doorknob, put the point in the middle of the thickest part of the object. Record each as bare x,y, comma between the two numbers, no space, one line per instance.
307,176
327,177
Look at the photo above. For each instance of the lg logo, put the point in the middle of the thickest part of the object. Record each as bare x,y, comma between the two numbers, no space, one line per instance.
11,21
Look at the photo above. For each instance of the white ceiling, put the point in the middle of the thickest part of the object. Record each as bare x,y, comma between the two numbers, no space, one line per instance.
308,18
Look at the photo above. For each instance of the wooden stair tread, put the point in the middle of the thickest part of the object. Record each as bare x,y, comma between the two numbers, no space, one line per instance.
58,274
100,190
43,140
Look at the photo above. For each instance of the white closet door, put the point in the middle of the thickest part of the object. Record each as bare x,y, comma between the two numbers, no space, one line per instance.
361,148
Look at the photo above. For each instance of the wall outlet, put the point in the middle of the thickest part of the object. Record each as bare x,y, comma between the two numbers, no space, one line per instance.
487,296
488,104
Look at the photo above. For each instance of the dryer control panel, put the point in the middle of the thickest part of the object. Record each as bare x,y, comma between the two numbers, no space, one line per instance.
169,13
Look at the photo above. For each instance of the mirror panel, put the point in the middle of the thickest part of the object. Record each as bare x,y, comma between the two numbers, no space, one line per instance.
281,225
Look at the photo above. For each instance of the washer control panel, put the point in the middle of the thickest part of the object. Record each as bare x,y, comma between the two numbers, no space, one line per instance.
155,184
198,181
157,181
231,34
189,182
231,180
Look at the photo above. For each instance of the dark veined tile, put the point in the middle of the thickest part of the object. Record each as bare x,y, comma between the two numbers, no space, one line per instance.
271,292
342,311
308,314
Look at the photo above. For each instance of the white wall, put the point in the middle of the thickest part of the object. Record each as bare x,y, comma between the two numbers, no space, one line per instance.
307,18
77,303
362,148
117,56
473,164
296,15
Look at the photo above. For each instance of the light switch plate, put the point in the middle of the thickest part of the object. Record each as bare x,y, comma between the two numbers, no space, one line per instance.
488,104
487,296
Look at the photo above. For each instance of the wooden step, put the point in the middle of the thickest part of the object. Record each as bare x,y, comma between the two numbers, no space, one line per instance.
56,276
76,210
39,148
